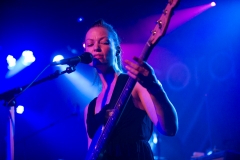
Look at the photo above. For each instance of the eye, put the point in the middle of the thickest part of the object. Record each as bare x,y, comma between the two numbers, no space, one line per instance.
89,44
105,41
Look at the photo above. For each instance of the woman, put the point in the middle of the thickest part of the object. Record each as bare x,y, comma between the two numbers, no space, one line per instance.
148,104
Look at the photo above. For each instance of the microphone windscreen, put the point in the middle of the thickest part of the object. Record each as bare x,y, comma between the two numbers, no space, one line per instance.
86,57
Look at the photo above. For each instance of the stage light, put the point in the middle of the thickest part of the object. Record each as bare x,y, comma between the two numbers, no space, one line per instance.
182,16
84,45
209,152
80,19
58,58
25,60
155,140
213,4
28,57
11,62
20,109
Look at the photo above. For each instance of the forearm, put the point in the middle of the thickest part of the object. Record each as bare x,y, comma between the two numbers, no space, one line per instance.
166,113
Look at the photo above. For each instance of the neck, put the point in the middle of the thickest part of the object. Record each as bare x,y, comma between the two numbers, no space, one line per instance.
107,77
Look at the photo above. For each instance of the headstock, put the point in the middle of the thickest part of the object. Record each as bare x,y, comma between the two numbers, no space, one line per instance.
162,23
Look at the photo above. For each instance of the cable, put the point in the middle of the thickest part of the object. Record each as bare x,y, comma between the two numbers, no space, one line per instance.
28,85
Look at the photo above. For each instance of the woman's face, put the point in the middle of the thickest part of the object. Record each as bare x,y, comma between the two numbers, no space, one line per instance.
99,43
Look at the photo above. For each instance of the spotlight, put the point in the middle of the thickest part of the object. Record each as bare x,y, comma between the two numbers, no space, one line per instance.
58,58
84,45
16,66
28,57
209,152
213,4
155,140
11,62
80,19
20,109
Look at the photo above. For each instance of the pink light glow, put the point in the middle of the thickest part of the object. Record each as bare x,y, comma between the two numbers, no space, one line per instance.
144,26
182,16
161,59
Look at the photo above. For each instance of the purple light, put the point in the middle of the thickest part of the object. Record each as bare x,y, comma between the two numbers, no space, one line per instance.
213,4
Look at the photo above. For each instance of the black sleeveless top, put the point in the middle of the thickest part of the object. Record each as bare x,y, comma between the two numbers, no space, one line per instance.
130,137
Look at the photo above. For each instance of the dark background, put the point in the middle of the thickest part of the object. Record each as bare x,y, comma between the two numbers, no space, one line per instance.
197,63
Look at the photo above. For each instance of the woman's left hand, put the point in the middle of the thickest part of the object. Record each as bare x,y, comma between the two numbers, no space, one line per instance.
143,73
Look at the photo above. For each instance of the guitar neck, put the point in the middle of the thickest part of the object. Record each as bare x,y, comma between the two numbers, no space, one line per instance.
146,51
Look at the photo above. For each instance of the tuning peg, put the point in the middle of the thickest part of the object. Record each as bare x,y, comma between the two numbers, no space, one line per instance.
159,22
165,12
153,32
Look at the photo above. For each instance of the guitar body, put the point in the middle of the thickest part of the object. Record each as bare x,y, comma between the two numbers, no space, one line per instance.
93,145
101,138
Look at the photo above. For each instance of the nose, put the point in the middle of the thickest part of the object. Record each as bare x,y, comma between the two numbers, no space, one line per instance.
96,47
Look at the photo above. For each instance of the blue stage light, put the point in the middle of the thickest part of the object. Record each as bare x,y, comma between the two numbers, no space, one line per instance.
58,58
155,139
80,19
28,57
11,62
20,109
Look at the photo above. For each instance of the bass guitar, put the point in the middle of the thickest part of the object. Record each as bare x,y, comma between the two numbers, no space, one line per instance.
97,147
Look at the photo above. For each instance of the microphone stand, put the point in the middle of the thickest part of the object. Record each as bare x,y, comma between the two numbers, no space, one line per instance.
9,101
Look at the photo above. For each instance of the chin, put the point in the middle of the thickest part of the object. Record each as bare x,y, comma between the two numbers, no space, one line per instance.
98,62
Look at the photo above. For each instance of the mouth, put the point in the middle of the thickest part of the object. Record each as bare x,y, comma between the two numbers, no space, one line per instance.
98,56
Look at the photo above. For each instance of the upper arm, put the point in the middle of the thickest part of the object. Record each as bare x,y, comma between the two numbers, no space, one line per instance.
85,123
146,103
160,111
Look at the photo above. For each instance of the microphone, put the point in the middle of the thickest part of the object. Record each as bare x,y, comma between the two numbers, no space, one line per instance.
86,58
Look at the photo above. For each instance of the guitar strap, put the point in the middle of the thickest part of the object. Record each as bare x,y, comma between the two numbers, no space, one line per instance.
121,82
